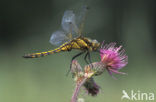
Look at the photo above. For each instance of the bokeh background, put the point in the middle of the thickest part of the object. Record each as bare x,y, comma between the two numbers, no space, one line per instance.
26,26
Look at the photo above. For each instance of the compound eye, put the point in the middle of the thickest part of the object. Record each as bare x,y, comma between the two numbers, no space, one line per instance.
95,41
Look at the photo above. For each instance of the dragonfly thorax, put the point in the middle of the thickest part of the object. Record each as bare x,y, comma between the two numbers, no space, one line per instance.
89,44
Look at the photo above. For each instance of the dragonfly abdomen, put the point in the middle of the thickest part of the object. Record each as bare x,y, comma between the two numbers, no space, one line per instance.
64,47
42,54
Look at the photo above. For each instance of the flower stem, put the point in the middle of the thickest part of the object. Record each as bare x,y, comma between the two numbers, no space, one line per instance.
77,89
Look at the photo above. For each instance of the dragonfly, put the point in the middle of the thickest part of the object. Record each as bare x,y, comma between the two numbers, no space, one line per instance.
70,37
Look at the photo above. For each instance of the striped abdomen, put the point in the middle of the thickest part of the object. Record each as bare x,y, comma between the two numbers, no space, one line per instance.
64,47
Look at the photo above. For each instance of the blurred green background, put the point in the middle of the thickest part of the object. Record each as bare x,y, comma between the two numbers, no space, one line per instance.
26,26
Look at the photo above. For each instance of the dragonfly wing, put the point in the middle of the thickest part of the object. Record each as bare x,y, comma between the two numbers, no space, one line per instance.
69,22
71,25
81,18
57,38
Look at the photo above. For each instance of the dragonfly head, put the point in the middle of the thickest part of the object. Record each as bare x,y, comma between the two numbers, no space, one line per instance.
95,45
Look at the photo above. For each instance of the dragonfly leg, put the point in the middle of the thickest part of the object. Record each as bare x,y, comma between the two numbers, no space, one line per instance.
85,58
77,55
89,58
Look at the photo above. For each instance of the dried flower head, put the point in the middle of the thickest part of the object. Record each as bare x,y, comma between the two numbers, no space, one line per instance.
113,57
76,68
91,87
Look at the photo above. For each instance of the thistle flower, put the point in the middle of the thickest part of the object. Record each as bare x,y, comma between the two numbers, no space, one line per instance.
113,58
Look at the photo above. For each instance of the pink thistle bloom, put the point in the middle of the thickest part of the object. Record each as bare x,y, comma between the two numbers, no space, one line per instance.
113,58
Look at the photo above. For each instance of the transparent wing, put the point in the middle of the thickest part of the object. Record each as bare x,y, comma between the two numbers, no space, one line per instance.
72,27
57,38
69,23
81,18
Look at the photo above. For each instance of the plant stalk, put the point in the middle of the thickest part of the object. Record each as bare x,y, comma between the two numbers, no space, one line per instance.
77,90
